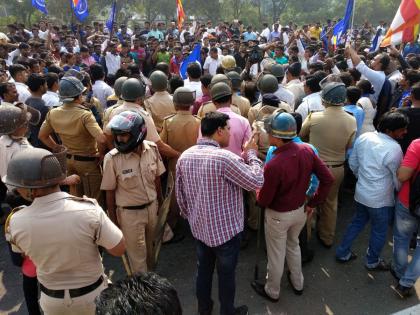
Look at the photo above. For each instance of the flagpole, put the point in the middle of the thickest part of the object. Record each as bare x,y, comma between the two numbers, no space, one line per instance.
352,16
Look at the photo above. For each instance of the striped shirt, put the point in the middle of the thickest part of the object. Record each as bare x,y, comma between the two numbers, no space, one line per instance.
209,183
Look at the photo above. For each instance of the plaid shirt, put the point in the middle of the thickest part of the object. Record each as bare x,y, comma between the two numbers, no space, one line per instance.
209,183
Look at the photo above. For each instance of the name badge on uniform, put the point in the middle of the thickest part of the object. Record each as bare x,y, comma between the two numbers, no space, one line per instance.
127,171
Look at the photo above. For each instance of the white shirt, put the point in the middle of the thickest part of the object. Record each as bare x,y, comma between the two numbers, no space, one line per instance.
23,91
376,78
296,87
266,33
395,78
194,86
212,64
51,99
285,95
101,91
375,160
311,103
370,113
113,62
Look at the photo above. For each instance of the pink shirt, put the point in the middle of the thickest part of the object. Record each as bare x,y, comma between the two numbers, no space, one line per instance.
411,160
240,130
88,61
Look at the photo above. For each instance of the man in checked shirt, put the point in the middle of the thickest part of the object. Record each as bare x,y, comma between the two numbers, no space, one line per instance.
209,183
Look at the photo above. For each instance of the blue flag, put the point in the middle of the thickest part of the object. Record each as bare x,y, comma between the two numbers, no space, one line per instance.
324,38
40,5
375,43
80,8
195,56
112,17
342,26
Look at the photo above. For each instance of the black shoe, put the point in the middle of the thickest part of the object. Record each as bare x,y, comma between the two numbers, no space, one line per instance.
402,291
307,256
241,310
382,266
296,291
353,256
175,239
207,312
325,245
394,274
259,288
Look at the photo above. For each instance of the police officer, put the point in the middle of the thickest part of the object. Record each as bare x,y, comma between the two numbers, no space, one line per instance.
132,92
131,180
332,132
267,84
209,106
159,105
180,131
242,102
80,134
117,90
68,262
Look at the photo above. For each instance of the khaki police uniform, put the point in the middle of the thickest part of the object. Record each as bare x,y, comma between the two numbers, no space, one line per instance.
332,132
180,131
242,103
254,110
159,106
61,234
108,112
210,107
77,128
132,177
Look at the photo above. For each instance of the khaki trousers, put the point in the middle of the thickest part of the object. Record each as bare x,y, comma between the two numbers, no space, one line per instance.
138,227
327,215
253,211
82,305
282,238
90,175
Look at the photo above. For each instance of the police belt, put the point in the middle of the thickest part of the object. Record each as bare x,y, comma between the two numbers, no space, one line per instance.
335,165
141,207
81,158
59,294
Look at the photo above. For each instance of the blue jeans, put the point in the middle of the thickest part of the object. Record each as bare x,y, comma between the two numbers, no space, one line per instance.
379,218
225,257
404,227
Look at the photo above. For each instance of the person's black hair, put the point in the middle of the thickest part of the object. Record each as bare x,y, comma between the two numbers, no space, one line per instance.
353,94
84,49
316,66
51,78
414,63
35,81
355,74
33,62
295,69
96,72
213,121
144,293
385,61
346,78
122,73
412,77
4,88
342,65
223,99
392,121
175,82
110,79
312,81
55,69
15,69
365,86
415,91
299,121
24,46
213,50
206,80
164,67
194,70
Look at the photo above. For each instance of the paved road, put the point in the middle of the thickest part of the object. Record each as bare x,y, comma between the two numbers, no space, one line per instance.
330,288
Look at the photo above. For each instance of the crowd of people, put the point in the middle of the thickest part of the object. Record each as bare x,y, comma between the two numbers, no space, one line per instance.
108,143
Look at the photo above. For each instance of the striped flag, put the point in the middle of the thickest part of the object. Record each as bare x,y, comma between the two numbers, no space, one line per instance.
405,26
180,13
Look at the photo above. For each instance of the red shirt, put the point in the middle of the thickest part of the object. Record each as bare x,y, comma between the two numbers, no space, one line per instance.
287,176
174,65
198,102
411,160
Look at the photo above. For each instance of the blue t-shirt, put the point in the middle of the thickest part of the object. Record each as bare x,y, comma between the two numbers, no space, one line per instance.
313,184
359,114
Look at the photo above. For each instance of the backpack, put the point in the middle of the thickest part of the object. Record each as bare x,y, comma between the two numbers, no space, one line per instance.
414,197
384,101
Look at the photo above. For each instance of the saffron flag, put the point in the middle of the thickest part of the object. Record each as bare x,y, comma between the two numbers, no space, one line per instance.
80,9
180,13
112,17
40,5
342,26
195,56
405,26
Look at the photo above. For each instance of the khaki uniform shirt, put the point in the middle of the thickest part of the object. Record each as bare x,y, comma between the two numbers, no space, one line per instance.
76,127
159,106
109,111
132,176
61,234
332,132
180,131
210,107
152,134
242,103
254,110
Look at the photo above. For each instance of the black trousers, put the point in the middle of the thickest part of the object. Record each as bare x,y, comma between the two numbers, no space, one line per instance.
30,291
